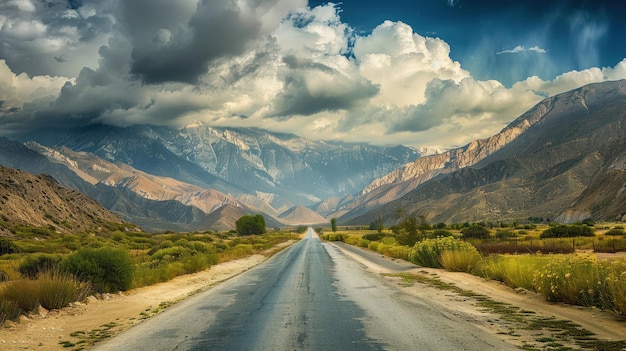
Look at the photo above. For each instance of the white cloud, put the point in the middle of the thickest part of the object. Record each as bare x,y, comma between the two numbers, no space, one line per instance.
537,49
521,48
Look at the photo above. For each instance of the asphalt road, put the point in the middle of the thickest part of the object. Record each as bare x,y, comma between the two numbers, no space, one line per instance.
308,297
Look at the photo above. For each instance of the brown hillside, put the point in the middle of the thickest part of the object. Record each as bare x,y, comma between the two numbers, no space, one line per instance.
40,201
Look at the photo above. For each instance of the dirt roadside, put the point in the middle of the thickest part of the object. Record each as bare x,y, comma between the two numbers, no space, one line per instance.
99,318
604,325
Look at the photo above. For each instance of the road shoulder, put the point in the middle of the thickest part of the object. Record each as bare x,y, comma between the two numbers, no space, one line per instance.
604,325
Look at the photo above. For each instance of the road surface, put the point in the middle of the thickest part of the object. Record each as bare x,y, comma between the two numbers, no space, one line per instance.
308,297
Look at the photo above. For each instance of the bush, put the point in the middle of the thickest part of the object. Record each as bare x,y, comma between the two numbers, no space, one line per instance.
7,247
427,253
475,231
373,236
58,289
108,269
9,310
459,260
250,225
333,237
567,231
40,263
615,231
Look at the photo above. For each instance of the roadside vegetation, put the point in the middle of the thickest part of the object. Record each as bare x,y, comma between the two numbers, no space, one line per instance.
560,262
54,270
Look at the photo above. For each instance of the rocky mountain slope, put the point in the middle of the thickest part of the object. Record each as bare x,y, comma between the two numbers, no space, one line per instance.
563,159
403,180
300,215
146,173
40,201
263,169
155,203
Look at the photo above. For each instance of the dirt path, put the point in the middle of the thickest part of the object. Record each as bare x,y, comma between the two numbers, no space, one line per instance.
81,324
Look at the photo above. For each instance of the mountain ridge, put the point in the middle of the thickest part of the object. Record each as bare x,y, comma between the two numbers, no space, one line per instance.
542,172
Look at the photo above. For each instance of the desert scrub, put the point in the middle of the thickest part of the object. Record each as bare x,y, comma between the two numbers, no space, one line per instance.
428,253
460,260
583,280
52,290
35,264
9,310
334,237
108,269
514,270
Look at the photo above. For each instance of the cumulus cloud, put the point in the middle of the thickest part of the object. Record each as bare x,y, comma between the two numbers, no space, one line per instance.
274,64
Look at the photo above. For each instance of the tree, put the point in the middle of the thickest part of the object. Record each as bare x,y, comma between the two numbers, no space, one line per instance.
333,224
377,225
410,231
251,225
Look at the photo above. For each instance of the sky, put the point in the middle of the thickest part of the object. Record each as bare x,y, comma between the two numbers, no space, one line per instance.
430,73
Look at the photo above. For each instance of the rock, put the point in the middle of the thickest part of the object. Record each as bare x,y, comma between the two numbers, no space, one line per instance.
42,311
24,319
91,300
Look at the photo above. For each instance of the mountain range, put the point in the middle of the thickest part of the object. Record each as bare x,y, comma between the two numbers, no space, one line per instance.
181,179
564,160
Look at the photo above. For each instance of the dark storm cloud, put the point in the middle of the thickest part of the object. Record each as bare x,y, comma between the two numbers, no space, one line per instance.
33,33
311,87
183,52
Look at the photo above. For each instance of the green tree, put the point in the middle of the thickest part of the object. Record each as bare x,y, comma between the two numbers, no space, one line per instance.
333,224
251,225
379,224
410,231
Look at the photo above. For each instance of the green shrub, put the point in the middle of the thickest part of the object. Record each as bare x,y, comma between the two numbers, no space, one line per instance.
615,231
364,243
171,253
475,231
373,236
567,231
373,245
333,237
9,310
24,292
427,253
38,263
505,234
58,289
7,247
108,269
459,260
573,279
513,270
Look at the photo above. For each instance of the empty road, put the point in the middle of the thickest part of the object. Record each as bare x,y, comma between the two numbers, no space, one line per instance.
308,297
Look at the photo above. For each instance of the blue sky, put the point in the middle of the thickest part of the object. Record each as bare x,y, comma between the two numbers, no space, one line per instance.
431,73
483,35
